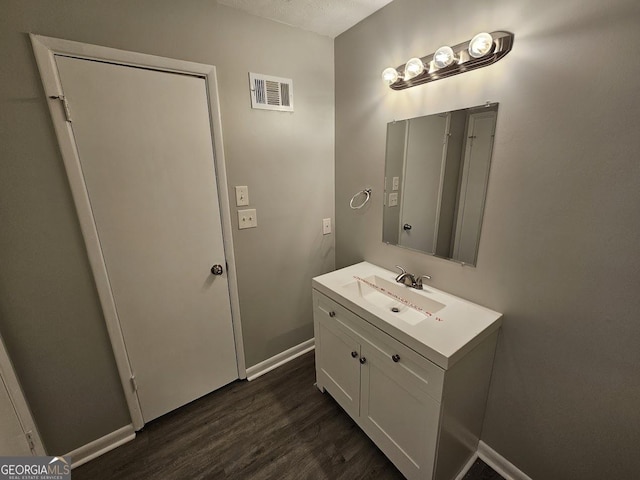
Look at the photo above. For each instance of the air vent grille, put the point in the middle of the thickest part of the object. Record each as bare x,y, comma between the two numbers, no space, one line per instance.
271,93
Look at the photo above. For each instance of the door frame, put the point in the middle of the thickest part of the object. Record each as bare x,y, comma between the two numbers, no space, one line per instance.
45,50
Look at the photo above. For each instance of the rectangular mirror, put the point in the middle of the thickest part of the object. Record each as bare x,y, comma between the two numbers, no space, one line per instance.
436,175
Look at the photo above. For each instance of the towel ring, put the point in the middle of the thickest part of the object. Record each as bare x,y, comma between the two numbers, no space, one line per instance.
366,192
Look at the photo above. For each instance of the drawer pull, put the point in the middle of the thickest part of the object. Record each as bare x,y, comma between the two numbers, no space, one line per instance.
395,358
363,360
354,354
332,314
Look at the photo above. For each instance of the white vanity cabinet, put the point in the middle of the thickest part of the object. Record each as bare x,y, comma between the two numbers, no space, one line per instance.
396,403
425,418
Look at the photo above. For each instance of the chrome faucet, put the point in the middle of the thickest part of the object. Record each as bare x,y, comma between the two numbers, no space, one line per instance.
405,277
409,279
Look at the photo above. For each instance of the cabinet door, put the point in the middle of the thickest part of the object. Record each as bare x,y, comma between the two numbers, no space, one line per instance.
397,412
338,368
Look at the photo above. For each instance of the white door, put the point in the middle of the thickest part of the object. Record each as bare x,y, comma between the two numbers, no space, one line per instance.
145,148
422,181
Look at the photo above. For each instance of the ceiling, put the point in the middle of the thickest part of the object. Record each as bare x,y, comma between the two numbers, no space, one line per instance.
325,17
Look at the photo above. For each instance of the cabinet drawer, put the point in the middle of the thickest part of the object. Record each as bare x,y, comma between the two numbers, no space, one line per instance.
406,361
327,307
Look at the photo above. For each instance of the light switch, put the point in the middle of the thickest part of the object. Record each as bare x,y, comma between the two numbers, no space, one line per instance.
393,199
247,218
395,183
242,196
326,226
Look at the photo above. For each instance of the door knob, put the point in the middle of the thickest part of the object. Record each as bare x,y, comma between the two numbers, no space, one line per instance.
332,314
406,226
395,358
363,360
217,269
354,354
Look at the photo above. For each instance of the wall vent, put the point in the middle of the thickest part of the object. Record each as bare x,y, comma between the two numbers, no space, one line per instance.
271,93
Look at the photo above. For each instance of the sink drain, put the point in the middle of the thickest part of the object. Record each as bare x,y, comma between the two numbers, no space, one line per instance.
395,309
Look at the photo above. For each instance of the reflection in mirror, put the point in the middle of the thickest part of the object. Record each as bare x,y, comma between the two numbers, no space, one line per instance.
436,174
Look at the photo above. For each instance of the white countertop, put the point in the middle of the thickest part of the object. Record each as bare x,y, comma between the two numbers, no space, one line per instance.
444,337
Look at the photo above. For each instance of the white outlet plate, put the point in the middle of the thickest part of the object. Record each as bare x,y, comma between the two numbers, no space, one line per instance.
247,218
326,226
242,196
393,199
396,183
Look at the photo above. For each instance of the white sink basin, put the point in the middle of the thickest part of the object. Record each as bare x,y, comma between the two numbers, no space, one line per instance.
437,325
411,306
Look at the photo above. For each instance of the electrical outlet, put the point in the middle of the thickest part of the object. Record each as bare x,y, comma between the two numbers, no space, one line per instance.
247,218
242,196
395,184
393,199
326,226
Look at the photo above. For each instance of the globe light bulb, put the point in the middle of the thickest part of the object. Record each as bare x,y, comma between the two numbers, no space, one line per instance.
444,57
480,45
390,75
413,68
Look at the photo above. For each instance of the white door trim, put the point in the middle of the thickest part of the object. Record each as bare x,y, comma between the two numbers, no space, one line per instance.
45,49
19,401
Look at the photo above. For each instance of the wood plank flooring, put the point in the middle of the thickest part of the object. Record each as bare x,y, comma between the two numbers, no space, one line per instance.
278,426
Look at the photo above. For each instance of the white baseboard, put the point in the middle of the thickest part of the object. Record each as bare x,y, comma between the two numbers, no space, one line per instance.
279,359
102,445
467,466
500,464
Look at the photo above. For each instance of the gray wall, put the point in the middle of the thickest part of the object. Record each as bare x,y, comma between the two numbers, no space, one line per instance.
50,317
559,247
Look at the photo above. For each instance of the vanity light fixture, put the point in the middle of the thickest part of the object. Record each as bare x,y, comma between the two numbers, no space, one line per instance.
482,50
390,75
444,57
413,68
481,45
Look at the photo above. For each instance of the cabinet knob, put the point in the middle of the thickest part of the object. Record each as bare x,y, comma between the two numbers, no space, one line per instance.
332,314
354,354
363,360
395,358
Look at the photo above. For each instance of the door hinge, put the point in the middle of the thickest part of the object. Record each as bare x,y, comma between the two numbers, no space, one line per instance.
65,105
30,441
134,385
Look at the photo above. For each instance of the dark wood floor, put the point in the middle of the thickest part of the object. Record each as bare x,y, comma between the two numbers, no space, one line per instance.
278,426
